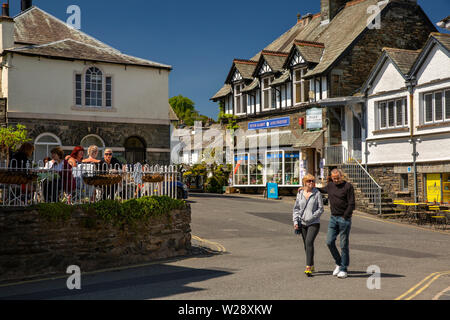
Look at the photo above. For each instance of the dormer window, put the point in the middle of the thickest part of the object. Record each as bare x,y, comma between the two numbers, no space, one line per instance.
268,100
93,89
240,100
301,86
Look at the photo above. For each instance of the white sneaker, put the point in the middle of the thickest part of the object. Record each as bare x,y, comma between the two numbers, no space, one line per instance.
342,275
336,271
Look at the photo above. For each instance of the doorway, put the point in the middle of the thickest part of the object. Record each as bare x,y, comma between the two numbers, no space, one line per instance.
135,150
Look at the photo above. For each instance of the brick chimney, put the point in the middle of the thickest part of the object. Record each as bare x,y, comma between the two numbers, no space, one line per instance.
330,8
6,29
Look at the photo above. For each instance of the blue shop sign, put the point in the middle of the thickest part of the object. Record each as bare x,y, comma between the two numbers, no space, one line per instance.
267,124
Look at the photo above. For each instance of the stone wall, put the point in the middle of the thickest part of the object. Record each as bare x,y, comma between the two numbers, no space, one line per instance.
31,245
113,134
388,177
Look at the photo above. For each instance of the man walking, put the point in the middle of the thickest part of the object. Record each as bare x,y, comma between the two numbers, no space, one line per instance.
341,196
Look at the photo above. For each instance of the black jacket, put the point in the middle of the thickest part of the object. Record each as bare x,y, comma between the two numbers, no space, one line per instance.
20,160
341,198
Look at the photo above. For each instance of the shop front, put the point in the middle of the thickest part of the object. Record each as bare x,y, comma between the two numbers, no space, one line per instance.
281,151
437,187
283,167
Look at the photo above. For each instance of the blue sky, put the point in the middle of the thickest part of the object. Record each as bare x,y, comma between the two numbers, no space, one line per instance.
199,38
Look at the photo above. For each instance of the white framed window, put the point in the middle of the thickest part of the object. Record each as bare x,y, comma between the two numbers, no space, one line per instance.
436,106
43,144
392,114
252,101
268,99
240,100
93,89
228,104
300,86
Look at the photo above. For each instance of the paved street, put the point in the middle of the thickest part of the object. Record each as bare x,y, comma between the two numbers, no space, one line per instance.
254,254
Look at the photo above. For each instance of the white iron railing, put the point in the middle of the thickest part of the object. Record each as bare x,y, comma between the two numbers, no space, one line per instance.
341,157
31,183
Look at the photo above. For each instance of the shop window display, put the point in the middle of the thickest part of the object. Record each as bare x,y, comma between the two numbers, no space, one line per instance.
256,169
241,167
292,168
274,167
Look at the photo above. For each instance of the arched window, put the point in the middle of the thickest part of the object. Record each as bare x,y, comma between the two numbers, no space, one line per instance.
90,140
135,150
94,87
43,144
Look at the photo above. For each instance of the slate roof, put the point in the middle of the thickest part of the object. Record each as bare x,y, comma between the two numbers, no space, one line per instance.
341,32
253,85
223,92
37,32
245,68
309,139
404,59
275,60
72,49
285,76
310,51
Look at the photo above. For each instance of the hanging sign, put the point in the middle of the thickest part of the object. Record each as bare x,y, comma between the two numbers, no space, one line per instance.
314,119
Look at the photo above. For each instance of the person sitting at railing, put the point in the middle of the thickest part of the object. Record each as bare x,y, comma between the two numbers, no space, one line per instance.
92,153
76,157
20,159
110,164
64,182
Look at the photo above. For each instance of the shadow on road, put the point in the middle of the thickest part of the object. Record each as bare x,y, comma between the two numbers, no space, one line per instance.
150,282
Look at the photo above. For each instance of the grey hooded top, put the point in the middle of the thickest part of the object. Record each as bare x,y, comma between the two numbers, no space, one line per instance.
308,212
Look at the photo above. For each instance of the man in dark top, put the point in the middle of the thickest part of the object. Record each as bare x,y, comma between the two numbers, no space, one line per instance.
109,162
341,196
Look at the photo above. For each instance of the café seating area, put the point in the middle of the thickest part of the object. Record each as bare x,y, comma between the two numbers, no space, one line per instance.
435,215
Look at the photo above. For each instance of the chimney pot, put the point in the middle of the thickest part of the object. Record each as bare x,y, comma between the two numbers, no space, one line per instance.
5,10
298,17
26,4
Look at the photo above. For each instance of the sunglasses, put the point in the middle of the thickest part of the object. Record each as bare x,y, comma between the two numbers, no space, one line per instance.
309,181
108,154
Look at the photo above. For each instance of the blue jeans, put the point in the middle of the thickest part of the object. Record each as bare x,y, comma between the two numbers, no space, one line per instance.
339,226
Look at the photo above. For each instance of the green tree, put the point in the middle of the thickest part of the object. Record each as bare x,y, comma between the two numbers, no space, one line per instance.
11,139
185,110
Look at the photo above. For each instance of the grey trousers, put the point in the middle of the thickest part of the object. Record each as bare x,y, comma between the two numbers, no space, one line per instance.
309,235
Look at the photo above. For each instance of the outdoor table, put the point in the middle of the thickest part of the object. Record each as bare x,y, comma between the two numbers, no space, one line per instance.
411,215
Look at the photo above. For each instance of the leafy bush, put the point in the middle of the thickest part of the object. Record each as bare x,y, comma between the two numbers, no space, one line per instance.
119,213
55,211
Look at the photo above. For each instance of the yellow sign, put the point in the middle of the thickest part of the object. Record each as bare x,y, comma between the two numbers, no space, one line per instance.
434,187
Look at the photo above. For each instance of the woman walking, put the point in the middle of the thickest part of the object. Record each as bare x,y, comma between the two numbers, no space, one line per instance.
306,217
